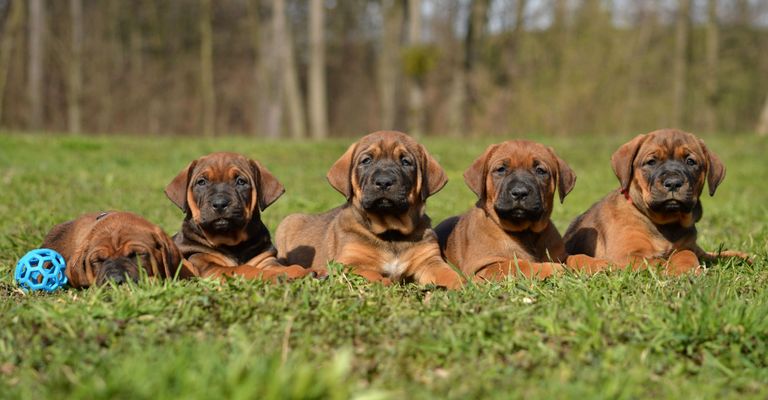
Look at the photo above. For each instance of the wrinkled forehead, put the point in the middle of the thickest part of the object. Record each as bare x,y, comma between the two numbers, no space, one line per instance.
222,166
671,144
520,154
119,232
388,143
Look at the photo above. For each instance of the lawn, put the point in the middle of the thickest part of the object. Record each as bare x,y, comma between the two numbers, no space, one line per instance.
613,335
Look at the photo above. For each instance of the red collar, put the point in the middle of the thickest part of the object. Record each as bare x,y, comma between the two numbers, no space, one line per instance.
625,192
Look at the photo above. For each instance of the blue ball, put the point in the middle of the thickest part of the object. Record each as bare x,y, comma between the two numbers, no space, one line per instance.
41,269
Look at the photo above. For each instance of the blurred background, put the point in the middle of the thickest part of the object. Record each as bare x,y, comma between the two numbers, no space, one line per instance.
325,68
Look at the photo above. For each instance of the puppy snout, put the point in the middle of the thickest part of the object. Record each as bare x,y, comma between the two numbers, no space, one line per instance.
115,271
519,192
673,182
220,203
384,181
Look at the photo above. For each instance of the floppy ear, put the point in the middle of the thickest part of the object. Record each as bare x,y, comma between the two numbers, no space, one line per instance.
269,188
566,178
433,175
623,158
715,170
168,254
176,191
474,176
340,174
62,239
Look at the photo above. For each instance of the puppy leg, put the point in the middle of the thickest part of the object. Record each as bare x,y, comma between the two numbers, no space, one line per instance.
501,269
371,275
439,274
713,257
267,268
587,264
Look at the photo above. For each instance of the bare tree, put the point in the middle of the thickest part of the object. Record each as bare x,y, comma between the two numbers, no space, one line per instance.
711,82
9,32
476,28
680,67
284,43
37,28
762,124
75,92
206,69
318,108
389,60
416,120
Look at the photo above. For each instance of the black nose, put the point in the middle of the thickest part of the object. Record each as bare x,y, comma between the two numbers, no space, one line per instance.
384,182
519,192
119,277
220,203
673,183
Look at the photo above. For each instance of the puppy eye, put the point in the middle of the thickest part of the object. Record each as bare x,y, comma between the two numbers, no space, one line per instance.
500,169
690,161
541,171
240,181
650,162
366,160
201,182
405,162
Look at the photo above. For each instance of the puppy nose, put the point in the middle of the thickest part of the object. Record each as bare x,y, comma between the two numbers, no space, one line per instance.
119,277
673,183
383,182
519,192
220,203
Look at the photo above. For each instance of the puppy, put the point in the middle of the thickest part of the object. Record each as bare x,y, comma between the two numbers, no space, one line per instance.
381,231
509,228
112,246
222,195
651,219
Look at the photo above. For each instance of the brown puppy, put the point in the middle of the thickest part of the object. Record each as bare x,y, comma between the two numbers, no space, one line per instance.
382,231
509,228
222,234
99,247
650,219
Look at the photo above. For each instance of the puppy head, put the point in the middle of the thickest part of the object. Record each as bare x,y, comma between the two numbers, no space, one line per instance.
515,182
222,193
387,173
664,172
113,247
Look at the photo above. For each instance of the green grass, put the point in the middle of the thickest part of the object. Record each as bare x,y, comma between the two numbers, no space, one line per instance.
614,335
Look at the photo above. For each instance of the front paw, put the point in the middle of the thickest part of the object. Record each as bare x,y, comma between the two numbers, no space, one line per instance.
735,254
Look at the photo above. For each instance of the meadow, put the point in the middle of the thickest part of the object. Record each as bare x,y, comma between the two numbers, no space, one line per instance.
613,335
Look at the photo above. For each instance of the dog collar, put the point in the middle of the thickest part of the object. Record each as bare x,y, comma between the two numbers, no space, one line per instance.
625,192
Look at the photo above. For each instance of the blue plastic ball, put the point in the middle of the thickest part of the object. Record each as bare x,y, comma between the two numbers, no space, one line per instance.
41,269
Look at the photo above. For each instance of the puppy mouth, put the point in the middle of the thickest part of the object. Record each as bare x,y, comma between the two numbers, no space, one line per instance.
222,224
672,206
519,214
385,205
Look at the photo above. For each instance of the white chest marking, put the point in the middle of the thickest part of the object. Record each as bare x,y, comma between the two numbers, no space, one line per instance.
394,268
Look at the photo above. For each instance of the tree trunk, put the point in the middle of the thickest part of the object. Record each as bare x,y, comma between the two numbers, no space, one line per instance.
268,91
318,109
37,27
762,124
75,92
389,60
713,49
206,69
10,30
416,122
680,63
476,27
294,102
